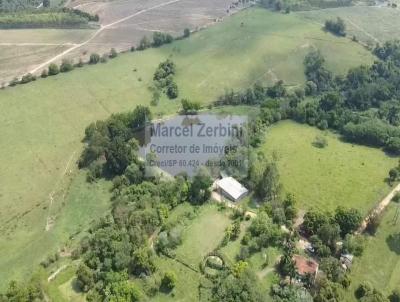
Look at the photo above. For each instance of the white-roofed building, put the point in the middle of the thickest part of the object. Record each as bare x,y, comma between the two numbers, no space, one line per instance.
231,188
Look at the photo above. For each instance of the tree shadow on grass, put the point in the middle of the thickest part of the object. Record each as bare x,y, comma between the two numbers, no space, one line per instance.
393,242
75,286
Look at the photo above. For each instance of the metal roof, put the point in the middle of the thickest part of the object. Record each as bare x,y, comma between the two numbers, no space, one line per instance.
232,187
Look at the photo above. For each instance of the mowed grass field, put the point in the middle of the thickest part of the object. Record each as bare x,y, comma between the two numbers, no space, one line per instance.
339,174
203,235
370,24
380,262
43,122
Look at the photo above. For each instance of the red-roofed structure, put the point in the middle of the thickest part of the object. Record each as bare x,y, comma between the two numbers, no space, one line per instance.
306,266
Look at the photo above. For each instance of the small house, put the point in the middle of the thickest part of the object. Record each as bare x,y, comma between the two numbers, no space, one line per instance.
306,267
231,188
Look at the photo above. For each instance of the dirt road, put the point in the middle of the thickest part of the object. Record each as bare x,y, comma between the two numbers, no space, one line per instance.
379,208
96,33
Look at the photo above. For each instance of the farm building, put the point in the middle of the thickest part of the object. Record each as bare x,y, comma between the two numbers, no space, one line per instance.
305,266
231,188
346,260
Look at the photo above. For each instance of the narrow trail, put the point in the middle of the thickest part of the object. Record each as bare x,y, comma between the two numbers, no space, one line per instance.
379,208
54,275
100,30
49,220
363,30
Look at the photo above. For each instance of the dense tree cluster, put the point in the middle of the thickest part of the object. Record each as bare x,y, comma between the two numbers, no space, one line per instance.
365,292
111,147
363,105
164,79
242,286
289,293
161,38
262,233
252,96
24,291
345,220
301,5
117,247
325,230
337,27
190,107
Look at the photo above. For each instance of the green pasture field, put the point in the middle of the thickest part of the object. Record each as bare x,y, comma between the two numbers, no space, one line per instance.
203,235
186,288
369,24
63,287
43,122
380,262
339,174
26,241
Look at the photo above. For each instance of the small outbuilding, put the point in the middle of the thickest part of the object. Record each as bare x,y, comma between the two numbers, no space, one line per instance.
346,260
306,266
231,188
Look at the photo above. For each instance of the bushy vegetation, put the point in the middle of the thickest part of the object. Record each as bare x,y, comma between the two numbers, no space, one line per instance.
241,286
190,107
301,5
18,5
363,106
161,38
117,247
65,18
111,146
164,79
24,291
337,27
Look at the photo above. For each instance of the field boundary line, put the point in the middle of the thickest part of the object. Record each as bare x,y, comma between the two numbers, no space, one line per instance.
362,30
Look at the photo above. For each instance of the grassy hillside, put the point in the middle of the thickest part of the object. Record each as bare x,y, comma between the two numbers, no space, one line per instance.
339,174
25,242
380,263
369,24
43,122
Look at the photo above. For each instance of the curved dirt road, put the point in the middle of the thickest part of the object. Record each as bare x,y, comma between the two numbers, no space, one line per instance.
96,33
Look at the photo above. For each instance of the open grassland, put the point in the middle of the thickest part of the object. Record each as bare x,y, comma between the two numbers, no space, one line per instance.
63,287
187,282
380,262
43,122
203,235
24,241
339,174
370,24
